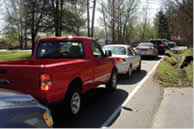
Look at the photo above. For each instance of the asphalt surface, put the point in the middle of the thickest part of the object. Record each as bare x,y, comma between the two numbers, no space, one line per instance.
100,104
176,109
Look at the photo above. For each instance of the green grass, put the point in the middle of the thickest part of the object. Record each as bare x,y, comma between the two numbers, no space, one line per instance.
14,55
167,75
189,75
186,53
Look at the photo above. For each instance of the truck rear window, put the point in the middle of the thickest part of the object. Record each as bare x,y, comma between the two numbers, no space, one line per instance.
60,50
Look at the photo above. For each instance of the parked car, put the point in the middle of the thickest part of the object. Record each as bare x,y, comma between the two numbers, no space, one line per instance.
158,43
147,49
62,69
172,44
126,57
22,111
166,44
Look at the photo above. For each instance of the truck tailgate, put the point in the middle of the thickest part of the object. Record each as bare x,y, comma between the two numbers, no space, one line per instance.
25,80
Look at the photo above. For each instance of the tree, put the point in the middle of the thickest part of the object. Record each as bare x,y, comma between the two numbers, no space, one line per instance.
180,18
118,19
161,22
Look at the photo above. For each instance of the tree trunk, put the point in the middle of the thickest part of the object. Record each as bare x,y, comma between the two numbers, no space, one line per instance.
61,17
25,37
88,17
105,26
113,21
57,19
93,19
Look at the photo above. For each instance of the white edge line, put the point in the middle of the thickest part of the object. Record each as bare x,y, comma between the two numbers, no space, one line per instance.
111,118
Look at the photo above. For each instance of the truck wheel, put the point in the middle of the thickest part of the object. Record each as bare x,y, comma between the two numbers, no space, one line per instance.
73,102
112,83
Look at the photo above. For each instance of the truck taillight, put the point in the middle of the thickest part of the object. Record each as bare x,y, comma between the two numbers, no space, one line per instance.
46,82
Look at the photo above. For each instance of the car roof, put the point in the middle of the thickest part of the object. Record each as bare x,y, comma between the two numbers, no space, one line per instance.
146,43
66,38
117,45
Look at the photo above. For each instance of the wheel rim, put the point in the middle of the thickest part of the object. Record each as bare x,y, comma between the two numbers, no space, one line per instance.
114,80
75,103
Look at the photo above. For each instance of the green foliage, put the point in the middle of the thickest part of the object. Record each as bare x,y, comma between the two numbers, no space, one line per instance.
167,72
10,37
189,74
161,24
14,55
167,75
186,53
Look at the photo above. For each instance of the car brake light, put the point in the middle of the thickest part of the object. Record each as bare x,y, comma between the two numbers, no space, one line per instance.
161,45
120,60
149,49
46,82
137,49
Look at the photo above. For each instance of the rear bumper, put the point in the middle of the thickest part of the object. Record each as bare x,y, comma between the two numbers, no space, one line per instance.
146,53
122,67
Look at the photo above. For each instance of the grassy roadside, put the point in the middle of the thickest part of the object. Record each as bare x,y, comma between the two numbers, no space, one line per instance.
14,55
167,73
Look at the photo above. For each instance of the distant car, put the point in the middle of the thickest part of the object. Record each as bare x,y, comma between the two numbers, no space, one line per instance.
166,44
158,43
127,59
147,49
172,44
22,111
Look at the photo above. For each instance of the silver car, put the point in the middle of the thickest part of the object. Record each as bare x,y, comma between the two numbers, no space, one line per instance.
147,49
127,59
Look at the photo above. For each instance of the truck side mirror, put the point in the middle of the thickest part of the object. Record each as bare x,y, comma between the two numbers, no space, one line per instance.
108,53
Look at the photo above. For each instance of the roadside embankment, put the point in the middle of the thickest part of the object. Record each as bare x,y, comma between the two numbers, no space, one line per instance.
176,70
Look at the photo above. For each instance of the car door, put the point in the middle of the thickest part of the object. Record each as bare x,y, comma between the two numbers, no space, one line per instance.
131,57
137,58
103,65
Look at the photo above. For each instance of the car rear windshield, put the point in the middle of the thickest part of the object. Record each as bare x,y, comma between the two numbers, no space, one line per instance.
60,49
116,50
145,45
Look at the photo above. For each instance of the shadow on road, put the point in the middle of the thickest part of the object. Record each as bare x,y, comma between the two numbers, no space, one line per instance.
98,105
134,79
151,58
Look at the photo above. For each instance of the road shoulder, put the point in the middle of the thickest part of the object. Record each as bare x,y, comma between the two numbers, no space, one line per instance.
176,109
139,111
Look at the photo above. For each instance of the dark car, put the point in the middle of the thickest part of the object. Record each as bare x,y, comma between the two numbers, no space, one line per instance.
166,44
22,111
160,45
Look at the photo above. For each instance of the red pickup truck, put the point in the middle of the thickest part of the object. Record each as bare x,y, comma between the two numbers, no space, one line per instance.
61,69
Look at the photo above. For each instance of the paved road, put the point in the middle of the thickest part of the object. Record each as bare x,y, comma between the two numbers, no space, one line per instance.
100,104
176,109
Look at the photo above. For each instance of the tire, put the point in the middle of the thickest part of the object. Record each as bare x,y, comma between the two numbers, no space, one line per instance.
73,102
139,67
156,57
112,83
129,73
